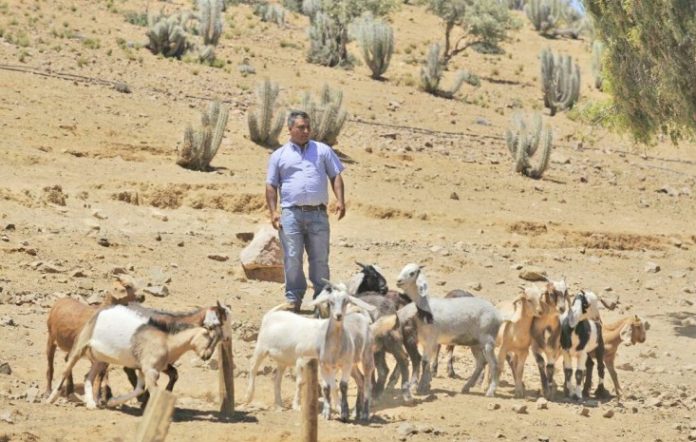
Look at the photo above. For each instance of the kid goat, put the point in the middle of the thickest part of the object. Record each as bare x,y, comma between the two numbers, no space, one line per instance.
122,336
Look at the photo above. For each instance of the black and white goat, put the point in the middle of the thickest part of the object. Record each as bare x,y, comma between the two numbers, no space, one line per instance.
579,336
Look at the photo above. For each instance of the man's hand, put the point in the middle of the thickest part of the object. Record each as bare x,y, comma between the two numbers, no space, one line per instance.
275,220
340,210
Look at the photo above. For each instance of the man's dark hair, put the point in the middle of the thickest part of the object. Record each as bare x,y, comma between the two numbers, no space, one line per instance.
294,115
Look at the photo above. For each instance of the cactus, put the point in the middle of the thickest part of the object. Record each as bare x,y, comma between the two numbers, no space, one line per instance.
167,36
327,117
544,15
524,141
597,50
270,13
210,21
200,146
263,128
560,79
431,71
325,36
431,74
377,43
206,54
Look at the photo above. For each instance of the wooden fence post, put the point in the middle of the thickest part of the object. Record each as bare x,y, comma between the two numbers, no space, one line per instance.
155,421
310,431
226,360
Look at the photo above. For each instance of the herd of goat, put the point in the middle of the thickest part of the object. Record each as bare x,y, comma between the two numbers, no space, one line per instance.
355,325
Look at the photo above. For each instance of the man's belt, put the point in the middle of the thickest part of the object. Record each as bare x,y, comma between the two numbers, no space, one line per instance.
320,207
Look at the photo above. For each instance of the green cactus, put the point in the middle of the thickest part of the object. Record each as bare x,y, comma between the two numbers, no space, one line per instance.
560,81
200,146
167,36
597,51
431,75
210,21
263,127
325,42
327,116
268,12
523,142
544,15
377,42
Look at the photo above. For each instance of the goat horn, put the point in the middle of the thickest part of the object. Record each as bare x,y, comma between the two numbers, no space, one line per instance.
362,266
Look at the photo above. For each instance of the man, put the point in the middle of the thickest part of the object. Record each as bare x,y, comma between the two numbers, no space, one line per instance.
301,169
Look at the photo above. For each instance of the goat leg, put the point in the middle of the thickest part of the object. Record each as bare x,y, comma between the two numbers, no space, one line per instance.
436,360
450,362
600,392
589,365
345,412
50,355
542,374
382,371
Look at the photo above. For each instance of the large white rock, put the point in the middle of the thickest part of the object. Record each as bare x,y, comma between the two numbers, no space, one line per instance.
262,259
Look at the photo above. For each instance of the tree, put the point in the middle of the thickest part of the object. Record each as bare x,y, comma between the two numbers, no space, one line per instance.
649,64
483,22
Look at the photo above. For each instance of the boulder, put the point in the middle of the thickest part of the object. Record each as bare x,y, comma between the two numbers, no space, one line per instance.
533,274
262,259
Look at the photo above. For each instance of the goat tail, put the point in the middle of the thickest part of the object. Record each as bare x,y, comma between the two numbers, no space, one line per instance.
283,306
384,325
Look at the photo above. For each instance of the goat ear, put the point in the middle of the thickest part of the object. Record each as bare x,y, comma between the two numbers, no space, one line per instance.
319,300
646,325
362,304
625,335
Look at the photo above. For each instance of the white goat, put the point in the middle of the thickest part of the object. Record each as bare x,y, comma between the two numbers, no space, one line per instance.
469,321
288,339
122,336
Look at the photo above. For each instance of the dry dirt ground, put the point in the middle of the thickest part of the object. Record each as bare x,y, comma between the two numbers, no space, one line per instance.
82,162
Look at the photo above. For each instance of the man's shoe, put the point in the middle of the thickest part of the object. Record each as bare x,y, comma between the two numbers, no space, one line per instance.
296,306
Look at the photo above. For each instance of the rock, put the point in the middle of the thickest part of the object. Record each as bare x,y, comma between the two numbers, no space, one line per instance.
160,291
520,409
158,277
7,321
533,274
669,190
499,435
218,257
98,215
651,267
608,414
10,227
244,236
543,439
476,286
78,273
584,412
405,430
49,268
33,395
654,402
454,196
692,435
262,259
5,368
6,416
119,271
542,404
493,406
160,216
627,366
213,364
104,242
94,299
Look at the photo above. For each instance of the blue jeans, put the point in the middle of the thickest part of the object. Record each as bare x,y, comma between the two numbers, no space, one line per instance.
302,231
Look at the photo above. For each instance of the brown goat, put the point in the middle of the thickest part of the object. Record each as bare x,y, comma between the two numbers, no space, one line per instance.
68,316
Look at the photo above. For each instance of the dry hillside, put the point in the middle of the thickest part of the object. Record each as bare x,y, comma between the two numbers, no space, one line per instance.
84,165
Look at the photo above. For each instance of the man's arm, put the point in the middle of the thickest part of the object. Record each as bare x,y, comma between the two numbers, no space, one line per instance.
337,186
272,202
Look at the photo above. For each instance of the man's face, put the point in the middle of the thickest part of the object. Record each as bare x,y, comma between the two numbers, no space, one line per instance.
299,132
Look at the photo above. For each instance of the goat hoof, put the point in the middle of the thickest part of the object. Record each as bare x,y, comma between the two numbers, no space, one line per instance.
602,393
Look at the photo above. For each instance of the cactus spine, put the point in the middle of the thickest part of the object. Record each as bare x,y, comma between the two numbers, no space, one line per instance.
263,128
201,145
560,79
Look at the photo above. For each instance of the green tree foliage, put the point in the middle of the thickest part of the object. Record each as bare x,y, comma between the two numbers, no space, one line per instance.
649,64
264,128
597,54
201,145
483,23
326,116
377,43
523,141
328,30
560,81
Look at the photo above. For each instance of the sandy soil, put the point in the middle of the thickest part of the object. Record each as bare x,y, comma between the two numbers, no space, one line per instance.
82,161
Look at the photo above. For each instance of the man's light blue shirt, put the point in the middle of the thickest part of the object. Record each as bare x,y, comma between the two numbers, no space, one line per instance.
302,175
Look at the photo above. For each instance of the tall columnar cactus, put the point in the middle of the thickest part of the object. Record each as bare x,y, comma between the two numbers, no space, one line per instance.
524,140
597,50
263,127
327,116
210,21
431,74
544,14
167,36
431,71
325,37
201,145
560,81
270,12
377,42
